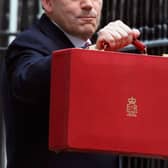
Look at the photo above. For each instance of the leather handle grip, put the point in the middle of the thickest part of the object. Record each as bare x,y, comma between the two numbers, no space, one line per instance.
137,43
140,46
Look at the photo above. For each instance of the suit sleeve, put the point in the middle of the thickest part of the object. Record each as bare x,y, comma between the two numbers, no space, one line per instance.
29,73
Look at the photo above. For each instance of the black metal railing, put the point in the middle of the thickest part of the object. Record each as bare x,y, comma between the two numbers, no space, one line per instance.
149,16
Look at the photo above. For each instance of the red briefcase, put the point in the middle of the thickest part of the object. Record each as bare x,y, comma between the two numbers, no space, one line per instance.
109,101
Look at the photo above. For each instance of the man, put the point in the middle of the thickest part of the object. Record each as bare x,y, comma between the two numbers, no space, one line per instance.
65,24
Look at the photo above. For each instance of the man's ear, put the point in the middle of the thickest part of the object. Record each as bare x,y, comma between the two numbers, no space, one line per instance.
47,6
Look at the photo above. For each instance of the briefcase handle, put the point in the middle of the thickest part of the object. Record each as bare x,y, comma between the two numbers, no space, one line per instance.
137,43
140,46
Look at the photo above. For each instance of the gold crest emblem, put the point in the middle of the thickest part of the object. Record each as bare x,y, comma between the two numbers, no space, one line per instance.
132,108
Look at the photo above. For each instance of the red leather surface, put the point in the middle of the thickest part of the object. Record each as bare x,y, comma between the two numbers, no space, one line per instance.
89,102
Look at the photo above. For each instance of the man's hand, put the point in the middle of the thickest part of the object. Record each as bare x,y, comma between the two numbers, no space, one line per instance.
115,35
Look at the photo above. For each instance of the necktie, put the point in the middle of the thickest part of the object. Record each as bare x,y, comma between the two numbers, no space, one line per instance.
86,45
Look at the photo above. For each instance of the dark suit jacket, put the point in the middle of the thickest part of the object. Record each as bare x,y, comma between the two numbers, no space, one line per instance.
28,66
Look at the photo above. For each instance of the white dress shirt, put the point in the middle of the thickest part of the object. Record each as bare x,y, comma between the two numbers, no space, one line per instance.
77,42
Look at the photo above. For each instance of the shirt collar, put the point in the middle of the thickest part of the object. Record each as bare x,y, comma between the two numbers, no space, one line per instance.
77,42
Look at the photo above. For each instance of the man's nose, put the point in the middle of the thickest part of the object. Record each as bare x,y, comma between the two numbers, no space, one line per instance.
87,4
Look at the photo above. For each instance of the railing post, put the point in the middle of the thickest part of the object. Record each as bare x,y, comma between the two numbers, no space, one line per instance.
13,16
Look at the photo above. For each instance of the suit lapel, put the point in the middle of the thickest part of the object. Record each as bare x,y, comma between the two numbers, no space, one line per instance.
54,33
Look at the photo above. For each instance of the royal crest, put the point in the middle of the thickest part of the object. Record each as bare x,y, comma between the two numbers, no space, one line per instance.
132,108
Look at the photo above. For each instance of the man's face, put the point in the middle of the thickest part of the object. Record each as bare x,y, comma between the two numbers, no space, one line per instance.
77,17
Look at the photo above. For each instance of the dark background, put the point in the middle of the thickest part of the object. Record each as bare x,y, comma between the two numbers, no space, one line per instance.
149,16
